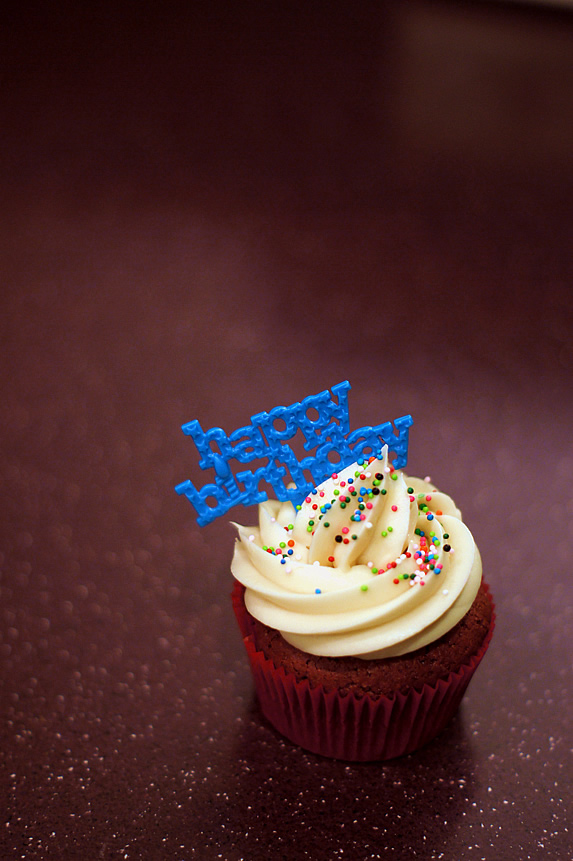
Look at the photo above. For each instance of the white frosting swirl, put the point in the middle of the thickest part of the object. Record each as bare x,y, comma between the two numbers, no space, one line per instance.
374,564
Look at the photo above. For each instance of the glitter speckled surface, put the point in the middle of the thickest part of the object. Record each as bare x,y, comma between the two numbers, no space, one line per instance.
204,226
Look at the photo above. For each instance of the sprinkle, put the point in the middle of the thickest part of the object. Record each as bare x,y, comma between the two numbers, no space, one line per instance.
444,592
251,537
345,530
317,591
394,476
338,538
331,558
364,588
394,508
368,526
446,548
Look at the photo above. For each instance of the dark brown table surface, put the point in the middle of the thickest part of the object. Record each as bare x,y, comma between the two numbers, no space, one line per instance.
209,210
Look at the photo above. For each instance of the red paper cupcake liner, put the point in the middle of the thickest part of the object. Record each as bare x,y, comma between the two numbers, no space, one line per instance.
351,727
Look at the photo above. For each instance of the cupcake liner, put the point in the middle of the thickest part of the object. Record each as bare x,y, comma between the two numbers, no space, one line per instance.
351,727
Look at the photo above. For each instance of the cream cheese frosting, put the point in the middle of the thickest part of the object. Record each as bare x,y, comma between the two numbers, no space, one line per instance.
373,564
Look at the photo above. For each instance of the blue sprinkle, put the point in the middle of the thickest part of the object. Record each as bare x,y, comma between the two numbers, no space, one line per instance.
290,551
283,561
318,591
430,516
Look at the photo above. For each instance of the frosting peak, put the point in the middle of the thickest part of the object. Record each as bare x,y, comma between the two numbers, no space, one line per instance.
373,564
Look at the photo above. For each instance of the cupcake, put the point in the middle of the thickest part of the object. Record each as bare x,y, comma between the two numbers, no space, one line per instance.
363,612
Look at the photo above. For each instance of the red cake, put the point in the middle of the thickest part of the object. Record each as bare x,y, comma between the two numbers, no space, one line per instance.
363,612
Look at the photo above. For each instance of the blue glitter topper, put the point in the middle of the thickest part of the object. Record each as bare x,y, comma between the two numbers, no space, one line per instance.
326,433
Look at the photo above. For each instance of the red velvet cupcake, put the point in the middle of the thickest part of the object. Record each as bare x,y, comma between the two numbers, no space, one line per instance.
363,612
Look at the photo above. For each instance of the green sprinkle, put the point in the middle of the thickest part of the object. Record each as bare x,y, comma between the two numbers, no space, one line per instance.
384,534
309,528
394,476
336,492
343,505
383,491
326,523
375,570
282,544
390,529
354,537
446,535
410,490
364,588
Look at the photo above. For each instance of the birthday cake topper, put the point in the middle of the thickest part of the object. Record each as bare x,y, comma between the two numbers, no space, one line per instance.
327,436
